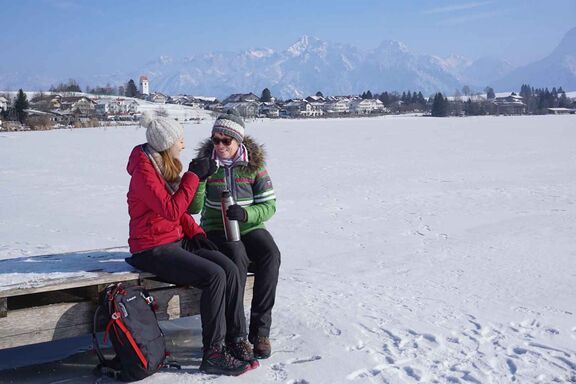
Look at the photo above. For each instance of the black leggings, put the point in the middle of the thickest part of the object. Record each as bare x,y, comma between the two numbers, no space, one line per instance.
261,256
221,306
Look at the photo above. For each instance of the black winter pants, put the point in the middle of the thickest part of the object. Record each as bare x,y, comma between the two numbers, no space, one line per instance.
262,257
221,304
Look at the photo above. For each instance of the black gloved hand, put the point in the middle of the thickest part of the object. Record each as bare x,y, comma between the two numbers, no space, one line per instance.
236,212
199,241
202,167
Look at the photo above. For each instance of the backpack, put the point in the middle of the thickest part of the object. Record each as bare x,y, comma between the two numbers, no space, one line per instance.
132,326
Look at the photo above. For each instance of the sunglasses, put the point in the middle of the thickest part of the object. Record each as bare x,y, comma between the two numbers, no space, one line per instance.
226,141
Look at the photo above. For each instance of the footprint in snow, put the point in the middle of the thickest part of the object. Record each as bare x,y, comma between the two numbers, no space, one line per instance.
304,360
366,373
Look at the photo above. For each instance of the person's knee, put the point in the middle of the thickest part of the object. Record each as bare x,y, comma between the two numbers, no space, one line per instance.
272,256
275,258
217,276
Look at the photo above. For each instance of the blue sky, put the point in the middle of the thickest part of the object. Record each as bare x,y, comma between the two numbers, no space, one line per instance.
66,37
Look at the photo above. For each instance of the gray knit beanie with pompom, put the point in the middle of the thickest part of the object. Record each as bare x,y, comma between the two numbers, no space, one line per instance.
161,132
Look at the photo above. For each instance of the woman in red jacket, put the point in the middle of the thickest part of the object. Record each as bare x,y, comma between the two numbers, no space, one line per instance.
166,241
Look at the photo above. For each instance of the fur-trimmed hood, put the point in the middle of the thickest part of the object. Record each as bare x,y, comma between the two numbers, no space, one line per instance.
256,152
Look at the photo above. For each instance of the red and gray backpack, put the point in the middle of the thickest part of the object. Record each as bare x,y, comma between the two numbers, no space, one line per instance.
132,326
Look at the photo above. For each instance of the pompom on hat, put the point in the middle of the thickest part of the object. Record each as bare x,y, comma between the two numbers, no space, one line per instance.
161,132
230,124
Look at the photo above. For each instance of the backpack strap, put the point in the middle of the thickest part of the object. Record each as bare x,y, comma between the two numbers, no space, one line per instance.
95,338
107,367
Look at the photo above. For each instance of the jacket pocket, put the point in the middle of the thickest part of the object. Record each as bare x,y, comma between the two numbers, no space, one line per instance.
160,226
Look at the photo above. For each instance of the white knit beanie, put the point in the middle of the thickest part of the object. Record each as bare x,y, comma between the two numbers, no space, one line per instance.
161,132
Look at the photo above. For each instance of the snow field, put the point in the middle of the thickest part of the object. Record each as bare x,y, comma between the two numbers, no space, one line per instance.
413,249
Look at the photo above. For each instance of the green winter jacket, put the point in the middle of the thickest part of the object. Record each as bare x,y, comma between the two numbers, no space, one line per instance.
251,187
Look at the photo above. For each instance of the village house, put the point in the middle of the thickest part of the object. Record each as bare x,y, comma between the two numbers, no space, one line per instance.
241,97
157,97
78,105
246,109
315,99
3,103
316,109
216,107
270,110
46,102
116,107
180,100
337,105
509,105
44,120
298,108
561,111
366,106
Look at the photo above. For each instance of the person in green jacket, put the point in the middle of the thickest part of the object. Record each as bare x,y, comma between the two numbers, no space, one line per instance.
242,171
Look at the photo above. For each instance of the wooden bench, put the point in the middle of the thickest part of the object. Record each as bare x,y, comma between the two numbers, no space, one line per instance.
46,298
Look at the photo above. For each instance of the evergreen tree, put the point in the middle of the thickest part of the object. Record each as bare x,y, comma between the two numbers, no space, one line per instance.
385,99
20,105
421,99
490,93
525,91
319,94
266,96
439,106
563,100
131,90
369,95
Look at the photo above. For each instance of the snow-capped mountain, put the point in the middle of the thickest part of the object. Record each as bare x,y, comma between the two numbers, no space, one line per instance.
307,66
310,65
557,69
476,73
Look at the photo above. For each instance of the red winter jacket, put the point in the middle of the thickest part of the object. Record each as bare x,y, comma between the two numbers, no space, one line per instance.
156,216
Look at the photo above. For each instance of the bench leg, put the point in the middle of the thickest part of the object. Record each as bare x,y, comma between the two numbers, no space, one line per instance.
3,307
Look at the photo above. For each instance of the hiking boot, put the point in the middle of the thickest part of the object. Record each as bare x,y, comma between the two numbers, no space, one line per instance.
218,361
262,347
241,349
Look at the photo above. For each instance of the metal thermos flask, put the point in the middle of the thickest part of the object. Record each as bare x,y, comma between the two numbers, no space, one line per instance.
231,227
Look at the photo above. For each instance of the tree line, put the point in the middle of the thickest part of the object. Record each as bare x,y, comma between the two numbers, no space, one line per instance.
129,89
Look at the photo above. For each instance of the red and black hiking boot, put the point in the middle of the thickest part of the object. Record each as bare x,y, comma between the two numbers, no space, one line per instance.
217,361
262,347
241,349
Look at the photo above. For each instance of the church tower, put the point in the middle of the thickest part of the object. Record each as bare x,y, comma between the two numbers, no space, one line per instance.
144,86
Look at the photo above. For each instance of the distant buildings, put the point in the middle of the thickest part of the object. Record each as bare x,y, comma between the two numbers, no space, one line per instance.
144,86
509,105
3,103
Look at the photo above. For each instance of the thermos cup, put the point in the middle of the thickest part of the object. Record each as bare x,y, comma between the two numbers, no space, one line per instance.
231,227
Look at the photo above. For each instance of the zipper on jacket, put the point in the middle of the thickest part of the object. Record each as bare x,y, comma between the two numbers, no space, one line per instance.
231,182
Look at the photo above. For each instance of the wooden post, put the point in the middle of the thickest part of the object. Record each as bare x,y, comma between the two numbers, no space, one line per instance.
3,307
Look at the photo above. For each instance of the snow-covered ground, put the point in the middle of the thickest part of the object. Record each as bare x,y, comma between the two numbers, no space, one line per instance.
414,249
180,112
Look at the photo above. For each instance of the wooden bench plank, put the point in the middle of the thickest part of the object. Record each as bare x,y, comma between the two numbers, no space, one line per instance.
45,298
27,275
62,320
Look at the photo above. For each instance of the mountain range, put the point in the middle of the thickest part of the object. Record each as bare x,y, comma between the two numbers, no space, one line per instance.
310,65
